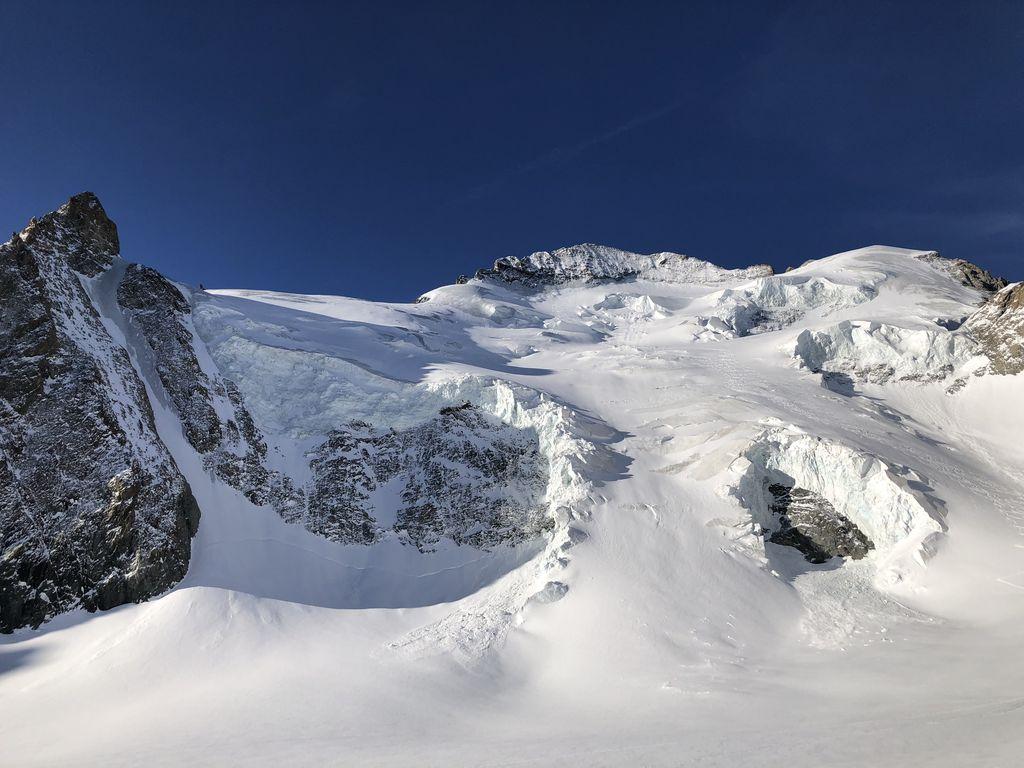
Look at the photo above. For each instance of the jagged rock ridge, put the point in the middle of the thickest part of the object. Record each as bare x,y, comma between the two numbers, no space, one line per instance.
965,272
211,411
590,263
999,328
93,510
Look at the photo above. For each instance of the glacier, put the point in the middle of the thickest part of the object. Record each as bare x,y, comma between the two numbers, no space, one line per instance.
530,518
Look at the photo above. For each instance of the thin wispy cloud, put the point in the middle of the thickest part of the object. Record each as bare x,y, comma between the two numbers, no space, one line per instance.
564,154
968,224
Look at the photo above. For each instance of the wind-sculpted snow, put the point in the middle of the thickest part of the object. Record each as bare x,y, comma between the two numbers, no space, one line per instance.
93,511
888,503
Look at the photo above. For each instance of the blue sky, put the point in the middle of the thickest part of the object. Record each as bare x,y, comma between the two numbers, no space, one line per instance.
380,149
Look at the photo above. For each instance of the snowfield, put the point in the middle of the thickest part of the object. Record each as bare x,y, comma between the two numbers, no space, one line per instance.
650,621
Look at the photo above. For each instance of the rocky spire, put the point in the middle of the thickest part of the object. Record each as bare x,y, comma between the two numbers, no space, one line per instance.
86,235
93,510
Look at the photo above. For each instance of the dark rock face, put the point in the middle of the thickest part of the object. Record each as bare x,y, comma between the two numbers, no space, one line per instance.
999,328
812,525
966,273
240,461
93,511
461,476
156,306
95,243
233,448
766,319
470,479
347,468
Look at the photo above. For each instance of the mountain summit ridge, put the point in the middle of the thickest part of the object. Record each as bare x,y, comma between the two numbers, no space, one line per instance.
588,262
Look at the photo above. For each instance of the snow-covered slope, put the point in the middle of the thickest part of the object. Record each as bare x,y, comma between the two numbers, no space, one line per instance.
586,508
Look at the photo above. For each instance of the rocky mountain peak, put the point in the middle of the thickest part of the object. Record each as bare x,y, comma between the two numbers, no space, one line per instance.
83,232
93,510
965,272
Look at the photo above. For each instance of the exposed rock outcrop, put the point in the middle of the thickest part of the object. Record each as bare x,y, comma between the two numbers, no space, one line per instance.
812,525
999,329
966,273
157,307
211,411
462,476
93,511
348,467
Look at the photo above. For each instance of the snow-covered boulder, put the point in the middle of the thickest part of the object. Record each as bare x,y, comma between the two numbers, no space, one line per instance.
883,501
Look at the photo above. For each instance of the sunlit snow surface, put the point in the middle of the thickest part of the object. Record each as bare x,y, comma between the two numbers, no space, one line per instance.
654,627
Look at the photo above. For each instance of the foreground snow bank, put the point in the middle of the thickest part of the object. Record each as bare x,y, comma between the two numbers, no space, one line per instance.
887,502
